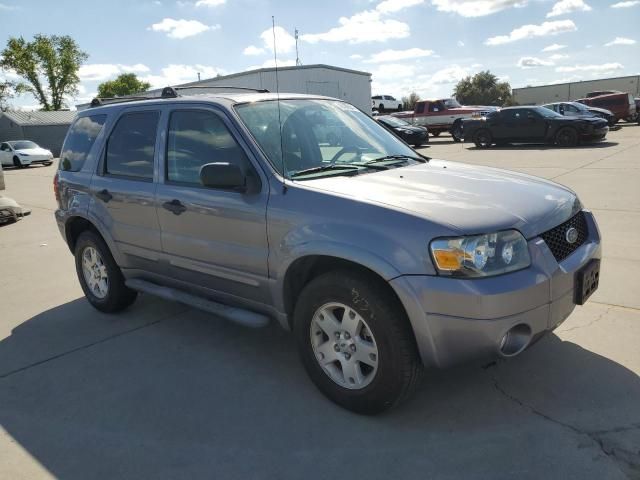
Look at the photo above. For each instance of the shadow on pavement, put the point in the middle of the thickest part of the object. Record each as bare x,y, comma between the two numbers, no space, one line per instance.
161,391
541,146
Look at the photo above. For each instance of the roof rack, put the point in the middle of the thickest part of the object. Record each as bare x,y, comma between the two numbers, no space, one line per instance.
167,92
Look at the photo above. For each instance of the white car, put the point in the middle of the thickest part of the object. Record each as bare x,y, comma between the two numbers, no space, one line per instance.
385,102
22,153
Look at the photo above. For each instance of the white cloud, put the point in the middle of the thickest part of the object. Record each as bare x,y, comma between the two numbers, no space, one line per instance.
397,55
460,43
355,56
532,62
620,41
452,74
530,31
390,6
630,3
390,71
284,40
476,8
176,74
554,47
558,56
92,72
253,50
210,3
567,6
367,26
181,28
604,67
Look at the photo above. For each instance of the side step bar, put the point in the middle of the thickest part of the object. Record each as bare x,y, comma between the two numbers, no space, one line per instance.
237,315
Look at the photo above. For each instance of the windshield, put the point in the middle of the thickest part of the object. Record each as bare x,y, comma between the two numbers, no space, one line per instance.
318,133
23,145
393,121
580,107
451,103
545,112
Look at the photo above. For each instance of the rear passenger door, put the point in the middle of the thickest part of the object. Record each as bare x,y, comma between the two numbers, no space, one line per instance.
213,238
123,189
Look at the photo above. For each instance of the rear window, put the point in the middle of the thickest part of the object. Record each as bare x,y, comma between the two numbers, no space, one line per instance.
131,146
80,139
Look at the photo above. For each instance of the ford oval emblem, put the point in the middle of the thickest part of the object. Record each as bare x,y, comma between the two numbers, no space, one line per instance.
571,235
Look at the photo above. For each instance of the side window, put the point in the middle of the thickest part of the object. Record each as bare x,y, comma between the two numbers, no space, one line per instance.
196,138
420,108
79,141
4,147
131,146
435,107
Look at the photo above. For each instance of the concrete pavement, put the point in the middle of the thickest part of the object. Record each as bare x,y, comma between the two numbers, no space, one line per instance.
163,391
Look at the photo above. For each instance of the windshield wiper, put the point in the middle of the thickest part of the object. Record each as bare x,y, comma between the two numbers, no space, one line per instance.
387,158
324,168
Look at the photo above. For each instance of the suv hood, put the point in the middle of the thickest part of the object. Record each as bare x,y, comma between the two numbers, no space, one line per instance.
467,198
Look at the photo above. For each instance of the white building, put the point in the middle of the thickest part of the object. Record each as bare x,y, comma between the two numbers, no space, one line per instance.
352,86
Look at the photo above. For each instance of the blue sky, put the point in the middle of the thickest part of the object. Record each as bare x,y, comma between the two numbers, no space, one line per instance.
421,45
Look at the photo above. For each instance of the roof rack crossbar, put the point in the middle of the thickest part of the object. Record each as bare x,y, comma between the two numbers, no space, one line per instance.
258,90
98,101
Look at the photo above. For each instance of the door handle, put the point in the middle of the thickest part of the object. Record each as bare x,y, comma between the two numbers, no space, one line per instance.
175,206
104,195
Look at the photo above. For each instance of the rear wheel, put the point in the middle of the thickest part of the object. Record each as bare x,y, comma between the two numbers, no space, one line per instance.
435,133
567,137
355,342
482,138
381,107
99,275
399,107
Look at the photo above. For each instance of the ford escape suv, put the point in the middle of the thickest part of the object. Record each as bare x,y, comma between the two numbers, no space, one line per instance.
381,261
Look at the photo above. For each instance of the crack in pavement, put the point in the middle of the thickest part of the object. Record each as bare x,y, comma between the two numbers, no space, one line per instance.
630,460
592,322
88,345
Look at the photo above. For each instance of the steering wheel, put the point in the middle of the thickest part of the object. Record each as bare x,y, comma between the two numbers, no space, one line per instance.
348,149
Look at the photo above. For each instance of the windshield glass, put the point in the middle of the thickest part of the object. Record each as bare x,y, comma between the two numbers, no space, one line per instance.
580,107
23,145
317,133
451,103
545,112
393,121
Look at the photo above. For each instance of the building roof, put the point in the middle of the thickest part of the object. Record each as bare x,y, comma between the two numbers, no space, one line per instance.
63,117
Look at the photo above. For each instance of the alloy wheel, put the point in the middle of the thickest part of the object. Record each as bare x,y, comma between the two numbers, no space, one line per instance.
95,272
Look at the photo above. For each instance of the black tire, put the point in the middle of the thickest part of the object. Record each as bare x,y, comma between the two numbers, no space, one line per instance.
567,137
435,133
381,107
417,145
482,138
118,296
399,107
17,163
456,131
47,164
399,365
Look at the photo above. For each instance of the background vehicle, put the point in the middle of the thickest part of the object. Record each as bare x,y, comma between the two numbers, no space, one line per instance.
577,109
385,102
444,115
368,251
22,153
598,93
411,134
622,105
533,125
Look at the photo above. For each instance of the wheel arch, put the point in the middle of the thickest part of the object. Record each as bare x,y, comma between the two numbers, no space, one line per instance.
77,224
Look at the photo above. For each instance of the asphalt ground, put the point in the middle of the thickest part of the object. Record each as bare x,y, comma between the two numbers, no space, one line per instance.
164,391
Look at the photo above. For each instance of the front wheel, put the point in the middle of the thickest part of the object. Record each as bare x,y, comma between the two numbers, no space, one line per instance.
99,275
17,163
47,164
456,131
355,342
482,138
567,137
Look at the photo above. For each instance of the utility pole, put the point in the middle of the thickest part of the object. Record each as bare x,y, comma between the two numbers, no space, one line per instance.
198,76
298,62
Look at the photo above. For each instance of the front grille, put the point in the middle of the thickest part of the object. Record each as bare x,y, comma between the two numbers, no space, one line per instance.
556,237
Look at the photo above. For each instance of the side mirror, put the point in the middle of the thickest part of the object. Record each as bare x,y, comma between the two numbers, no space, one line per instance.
223,175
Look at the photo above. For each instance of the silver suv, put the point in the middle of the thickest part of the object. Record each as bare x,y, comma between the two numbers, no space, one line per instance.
379,259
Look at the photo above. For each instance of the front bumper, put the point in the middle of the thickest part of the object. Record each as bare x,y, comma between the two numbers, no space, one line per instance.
457,320
596,134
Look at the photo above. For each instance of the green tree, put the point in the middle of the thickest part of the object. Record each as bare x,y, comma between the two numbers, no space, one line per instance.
409,102
125,84
48,66
483,89
6,92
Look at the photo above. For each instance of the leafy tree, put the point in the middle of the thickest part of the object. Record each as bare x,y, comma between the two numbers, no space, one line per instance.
48,65
409,103
483,89
6,92
125,84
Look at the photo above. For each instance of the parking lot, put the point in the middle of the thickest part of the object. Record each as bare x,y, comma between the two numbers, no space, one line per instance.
164,391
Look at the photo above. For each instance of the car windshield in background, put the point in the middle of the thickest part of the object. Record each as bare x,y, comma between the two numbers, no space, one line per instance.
323,137
451,103
23,145
579,106
545,112
393,121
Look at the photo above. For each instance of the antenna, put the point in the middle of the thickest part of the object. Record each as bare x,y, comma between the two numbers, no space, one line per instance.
275,61
298,62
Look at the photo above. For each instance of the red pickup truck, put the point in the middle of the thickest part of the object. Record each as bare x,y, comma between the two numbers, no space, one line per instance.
443,115
621,104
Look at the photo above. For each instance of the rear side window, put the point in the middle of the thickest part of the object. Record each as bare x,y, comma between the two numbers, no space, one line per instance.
131,146
420,108
80,139
196,138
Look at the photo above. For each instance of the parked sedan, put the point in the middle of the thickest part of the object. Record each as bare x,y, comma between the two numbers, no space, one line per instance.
533,125
411,134
577,109
22,153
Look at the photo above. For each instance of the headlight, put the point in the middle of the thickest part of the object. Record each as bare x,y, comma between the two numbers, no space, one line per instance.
23,154
480,255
